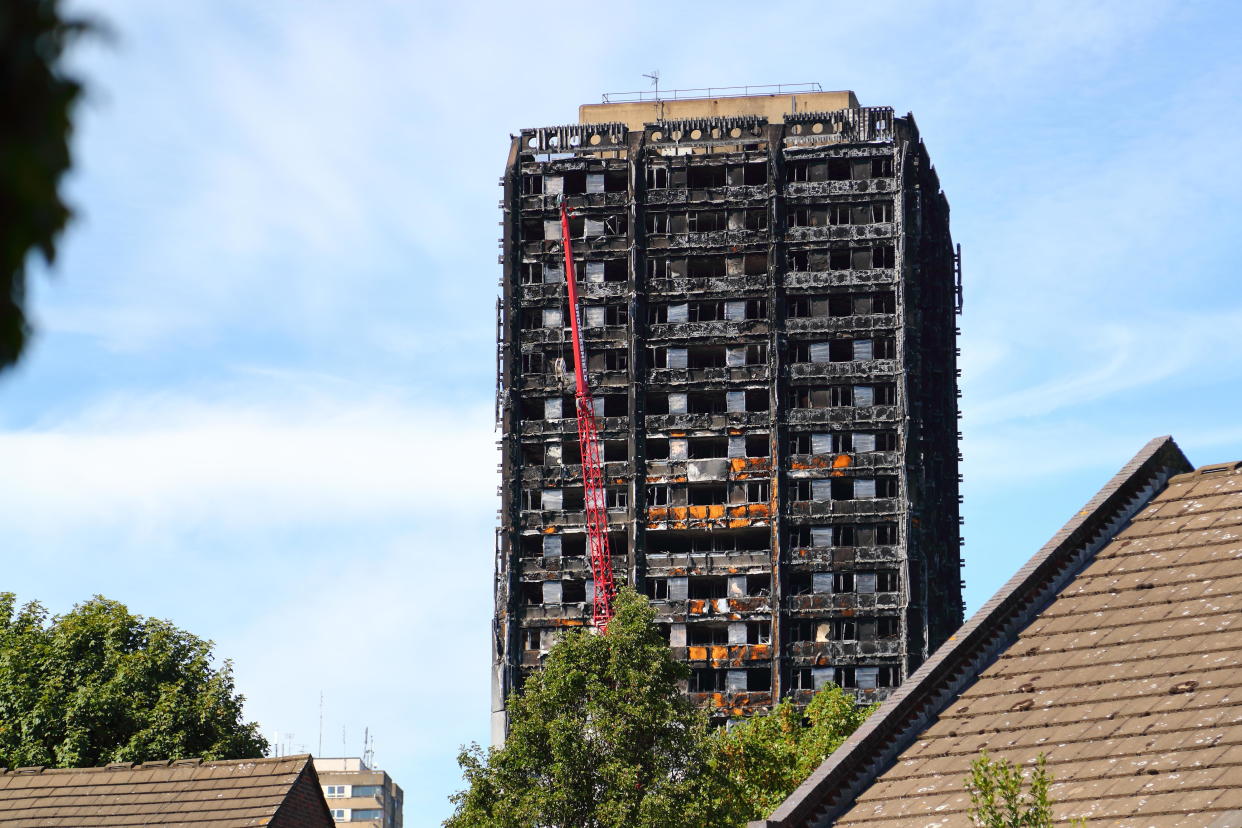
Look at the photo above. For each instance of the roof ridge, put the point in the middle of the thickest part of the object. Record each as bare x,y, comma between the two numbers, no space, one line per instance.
957,663
154,764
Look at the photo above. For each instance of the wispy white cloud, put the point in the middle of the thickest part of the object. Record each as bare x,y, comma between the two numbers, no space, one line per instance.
271,456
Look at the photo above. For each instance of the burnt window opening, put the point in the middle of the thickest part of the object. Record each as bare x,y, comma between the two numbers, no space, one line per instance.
750,220
532,639
657,589
657,448
706,494
657,178
616,181
573,592
532,184
532,499
701,448
755,264
802,629
701,176
842,304
865,534
807,170
571,453
532,230
734,540
574,545
829,396
706,356
706,311
533,454
809,217
612,405
531,546
616,315
613,359
657,268
657,495
843,582
532,273
616,497
572,499
756,400
758,680
845,678
758,586
698,635
750,491
886,580
616,451
886,627
882,167
706,267
844,629
758,445
706,221
813,261
704,680
708,587
656,403
754,175
800,583
575,182
706,402
531,319
801,678
657,356
758,632
532,594
665,631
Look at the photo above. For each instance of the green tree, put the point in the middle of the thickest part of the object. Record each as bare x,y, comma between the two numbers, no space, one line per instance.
37,100
764,758
601,736
997,798
100,684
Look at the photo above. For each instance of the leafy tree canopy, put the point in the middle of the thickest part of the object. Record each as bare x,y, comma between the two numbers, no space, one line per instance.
602,736
37,101
100,684
764,758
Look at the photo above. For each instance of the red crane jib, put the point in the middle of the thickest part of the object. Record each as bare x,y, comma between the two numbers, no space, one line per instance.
592,466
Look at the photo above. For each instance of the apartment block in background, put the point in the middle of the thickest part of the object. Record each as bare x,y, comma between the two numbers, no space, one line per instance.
358,794
770,290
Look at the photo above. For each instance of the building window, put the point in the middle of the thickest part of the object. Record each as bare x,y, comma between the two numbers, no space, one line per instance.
361,815
340,814
335,791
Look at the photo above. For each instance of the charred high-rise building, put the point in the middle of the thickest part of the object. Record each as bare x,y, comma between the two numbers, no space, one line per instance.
769,291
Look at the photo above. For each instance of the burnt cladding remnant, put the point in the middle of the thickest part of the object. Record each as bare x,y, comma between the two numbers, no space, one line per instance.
769,307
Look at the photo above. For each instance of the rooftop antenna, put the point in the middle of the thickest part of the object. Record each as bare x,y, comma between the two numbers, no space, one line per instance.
654,77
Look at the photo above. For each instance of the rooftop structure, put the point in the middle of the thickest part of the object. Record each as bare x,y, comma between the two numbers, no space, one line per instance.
360,794
1115,651
184,793
769,290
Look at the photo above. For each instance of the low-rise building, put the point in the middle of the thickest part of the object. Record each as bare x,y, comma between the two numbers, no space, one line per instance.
359,794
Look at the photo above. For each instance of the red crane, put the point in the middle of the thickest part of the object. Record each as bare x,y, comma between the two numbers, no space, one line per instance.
588,441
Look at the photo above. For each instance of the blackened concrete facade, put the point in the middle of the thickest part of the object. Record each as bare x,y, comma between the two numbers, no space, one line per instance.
769,311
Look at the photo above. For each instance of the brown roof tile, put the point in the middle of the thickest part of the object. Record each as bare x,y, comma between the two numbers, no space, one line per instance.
226,794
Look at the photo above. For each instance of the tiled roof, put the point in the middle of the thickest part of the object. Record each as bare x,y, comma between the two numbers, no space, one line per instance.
1124,669
233,794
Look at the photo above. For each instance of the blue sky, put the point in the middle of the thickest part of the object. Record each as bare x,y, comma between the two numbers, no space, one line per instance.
260,400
